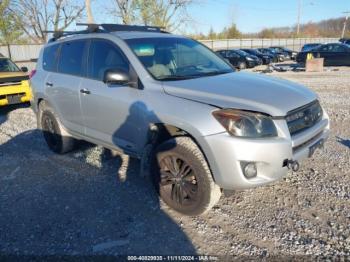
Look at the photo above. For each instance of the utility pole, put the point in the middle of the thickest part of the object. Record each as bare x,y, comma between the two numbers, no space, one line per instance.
300,4
90,18
346,19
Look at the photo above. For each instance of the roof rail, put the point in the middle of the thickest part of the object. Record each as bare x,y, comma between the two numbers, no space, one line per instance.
120,27
105,28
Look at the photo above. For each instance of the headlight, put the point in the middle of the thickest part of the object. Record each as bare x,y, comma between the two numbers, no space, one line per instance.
249,59
246,124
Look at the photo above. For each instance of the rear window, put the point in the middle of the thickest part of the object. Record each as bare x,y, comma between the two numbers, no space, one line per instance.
50,58
71,57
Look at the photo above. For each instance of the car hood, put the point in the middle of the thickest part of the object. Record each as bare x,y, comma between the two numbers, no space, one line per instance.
246,91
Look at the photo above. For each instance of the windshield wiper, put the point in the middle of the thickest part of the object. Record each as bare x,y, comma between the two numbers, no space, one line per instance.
213,73
175,77
185,77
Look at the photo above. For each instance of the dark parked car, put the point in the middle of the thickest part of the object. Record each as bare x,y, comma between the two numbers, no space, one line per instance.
290,54
308,47
334,54
266,59
239,58
345,41
275,56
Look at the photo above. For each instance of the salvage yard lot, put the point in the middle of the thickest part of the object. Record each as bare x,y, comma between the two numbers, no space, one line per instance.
90,202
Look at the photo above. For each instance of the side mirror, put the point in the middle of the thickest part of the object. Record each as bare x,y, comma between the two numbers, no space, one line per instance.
116,76
24,69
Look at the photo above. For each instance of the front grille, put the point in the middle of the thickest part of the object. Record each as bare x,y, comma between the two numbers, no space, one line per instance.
304,117
13,79
10,84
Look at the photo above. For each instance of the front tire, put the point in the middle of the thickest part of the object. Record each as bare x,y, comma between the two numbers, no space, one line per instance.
57,139
183,178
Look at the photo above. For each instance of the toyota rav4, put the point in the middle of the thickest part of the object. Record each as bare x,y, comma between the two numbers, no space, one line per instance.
198,126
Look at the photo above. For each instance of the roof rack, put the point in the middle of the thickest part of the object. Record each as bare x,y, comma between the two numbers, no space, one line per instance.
105,28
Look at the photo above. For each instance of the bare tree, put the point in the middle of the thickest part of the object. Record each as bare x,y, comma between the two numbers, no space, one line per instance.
37,16
10,31
126,11
170,14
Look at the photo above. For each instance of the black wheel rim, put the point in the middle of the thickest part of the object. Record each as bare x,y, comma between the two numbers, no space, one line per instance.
49,129
178,182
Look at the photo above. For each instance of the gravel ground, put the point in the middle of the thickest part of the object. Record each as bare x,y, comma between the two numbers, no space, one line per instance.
91,203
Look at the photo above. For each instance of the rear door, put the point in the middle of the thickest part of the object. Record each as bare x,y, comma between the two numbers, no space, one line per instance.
63,86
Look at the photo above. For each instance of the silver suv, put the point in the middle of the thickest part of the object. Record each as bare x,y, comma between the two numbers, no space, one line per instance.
198,126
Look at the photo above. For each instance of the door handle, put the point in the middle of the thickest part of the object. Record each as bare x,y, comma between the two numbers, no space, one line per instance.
85,91
49,84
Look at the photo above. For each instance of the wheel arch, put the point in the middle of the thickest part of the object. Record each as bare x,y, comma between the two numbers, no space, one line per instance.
163,132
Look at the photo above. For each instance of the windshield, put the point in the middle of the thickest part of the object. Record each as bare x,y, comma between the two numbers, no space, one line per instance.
177,58
7,65
253,51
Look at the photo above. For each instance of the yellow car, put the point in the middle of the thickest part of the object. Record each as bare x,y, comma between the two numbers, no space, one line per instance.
14,85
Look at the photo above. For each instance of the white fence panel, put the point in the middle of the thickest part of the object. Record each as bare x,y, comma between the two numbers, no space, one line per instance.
25,53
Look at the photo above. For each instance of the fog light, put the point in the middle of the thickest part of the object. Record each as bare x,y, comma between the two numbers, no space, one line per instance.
249,169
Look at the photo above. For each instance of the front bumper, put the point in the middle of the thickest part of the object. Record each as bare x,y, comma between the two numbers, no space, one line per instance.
15,94
225,153
251,64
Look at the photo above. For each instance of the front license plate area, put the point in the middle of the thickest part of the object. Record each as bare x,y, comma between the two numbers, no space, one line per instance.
318,144
14,99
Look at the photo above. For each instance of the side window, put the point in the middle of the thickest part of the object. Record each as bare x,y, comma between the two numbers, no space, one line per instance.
338,48
71,57
104,55
324,48
50,58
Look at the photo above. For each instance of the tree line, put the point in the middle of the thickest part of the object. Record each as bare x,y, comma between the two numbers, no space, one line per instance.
26,21
29,20
326,28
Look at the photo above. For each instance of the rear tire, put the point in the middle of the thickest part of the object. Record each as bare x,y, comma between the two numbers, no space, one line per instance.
57,139
183,178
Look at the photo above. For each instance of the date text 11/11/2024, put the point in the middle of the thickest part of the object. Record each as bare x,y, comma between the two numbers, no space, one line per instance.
172,258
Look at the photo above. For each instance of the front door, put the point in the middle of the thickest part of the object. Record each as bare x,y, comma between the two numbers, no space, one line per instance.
113,114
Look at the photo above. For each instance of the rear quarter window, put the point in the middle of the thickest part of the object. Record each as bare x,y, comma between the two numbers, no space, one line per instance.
50,58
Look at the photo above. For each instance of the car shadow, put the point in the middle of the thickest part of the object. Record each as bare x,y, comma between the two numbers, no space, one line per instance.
5,110
344,142
85,203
